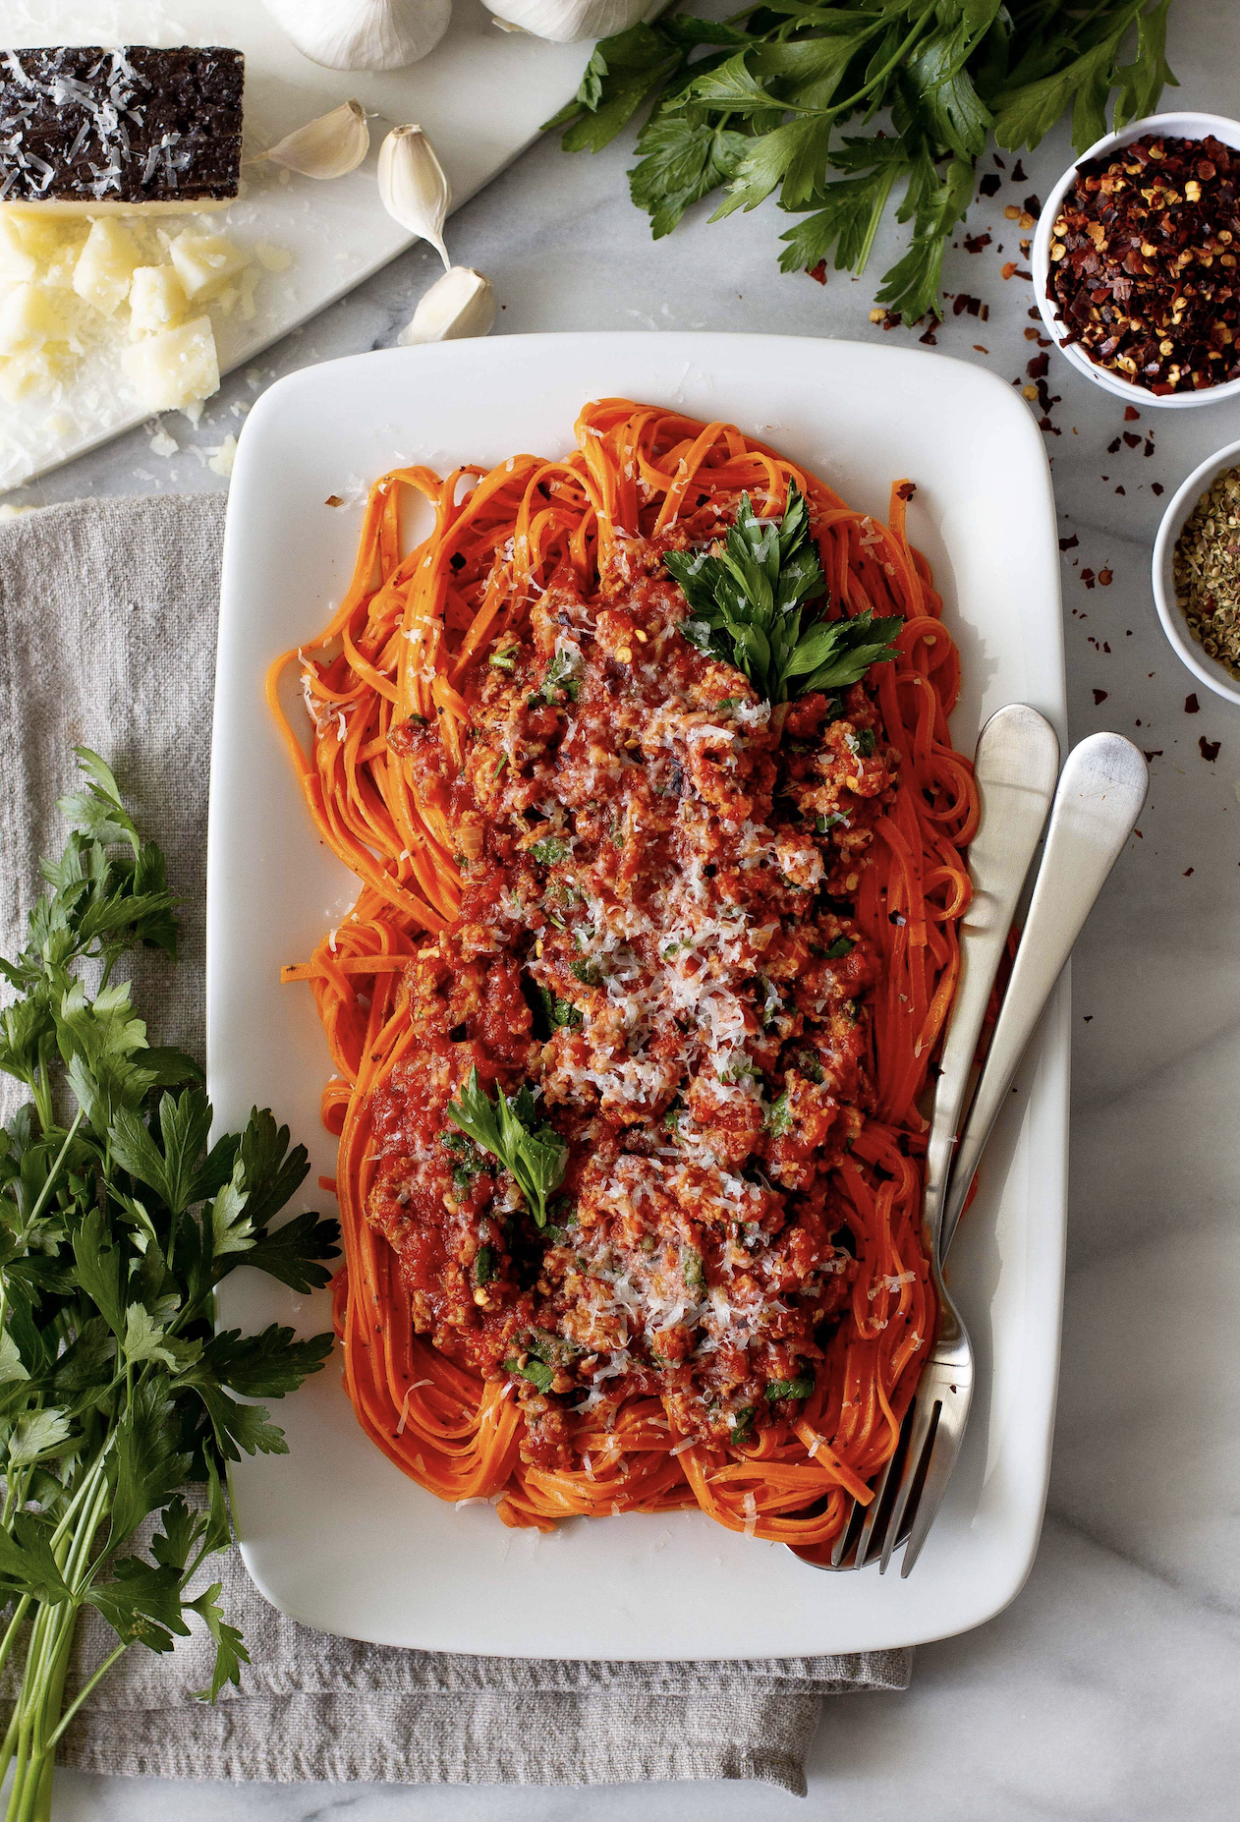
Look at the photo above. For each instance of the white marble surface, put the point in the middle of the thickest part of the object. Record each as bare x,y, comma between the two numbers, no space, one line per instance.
1108,1690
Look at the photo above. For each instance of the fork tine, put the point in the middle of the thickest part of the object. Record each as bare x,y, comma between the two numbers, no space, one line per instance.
944,1449
925,1417
873,1510
839,1550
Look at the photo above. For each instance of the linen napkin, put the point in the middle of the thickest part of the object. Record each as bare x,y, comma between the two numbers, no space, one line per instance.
107,639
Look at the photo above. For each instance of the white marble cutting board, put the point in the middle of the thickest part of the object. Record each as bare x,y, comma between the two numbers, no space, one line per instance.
481,95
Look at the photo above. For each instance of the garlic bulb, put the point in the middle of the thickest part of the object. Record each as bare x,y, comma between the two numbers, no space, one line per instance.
331,146
412,186
362,34
565,21
460,302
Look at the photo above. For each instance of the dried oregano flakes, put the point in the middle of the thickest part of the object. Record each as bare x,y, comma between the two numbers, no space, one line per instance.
1206,571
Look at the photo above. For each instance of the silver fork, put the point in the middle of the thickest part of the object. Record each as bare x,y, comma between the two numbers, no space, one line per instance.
1099,798
1015,766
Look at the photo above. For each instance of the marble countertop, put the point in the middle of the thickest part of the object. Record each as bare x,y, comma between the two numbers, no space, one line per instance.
1107,1691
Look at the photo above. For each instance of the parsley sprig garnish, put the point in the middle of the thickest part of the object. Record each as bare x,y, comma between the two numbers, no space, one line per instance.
118,1219
758,104
533,1154
748,597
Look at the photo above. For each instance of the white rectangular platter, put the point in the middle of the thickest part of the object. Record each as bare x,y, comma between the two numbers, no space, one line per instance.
333,1533
482,95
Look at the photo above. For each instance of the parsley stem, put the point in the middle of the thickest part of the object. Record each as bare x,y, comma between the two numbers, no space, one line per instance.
44,1195
843,107
85,1690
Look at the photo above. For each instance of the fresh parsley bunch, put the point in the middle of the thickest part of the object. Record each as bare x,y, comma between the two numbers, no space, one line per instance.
534,1155
748,601
117,1221
757,104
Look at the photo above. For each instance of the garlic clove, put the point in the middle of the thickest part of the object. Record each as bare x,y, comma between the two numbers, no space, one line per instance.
413,187
362,34
461,302
568,21
331,146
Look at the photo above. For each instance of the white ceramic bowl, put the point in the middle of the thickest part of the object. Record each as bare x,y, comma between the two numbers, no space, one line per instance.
1177,126
1214,675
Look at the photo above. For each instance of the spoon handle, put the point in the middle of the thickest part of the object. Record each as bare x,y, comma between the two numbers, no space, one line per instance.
1100,795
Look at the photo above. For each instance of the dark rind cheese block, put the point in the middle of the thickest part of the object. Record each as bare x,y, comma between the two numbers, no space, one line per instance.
93,130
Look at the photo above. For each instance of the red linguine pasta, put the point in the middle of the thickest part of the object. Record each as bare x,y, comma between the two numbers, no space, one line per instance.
710,937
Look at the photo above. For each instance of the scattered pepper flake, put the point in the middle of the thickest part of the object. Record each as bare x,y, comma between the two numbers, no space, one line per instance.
1131,414
1112,449
1100,697
990,184
1191,704
818,273
1209,748
1069,543
1088,577
1105,578
1189,871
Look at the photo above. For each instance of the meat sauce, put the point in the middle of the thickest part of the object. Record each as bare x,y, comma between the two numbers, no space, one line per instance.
656,933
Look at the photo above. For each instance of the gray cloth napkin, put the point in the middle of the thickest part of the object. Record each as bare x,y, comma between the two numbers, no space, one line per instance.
107,639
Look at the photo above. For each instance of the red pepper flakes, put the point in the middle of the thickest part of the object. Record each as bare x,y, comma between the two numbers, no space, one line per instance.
973,243
1131,414
1157,487
1112,449
1209,748
818,273
1088,577
1191,704
1105,576
989,186
1144,263
1100,697
1069,543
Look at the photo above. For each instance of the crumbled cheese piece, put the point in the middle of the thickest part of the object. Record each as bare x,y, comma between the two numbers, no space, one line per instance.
205,263
222,459
175,369
28,319
106,265
273,259
157,300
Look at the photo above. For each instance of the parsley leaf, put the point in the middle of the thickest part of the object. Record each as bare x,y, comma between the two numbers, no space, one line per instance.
757,105
536,1371
790,1388
115,1228
747,598
534,1155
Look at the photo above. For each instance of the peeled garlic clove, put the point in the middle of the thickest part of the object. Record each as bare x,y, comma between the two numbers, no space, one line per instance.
331,146
566,21
362,34
459,303
413,187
